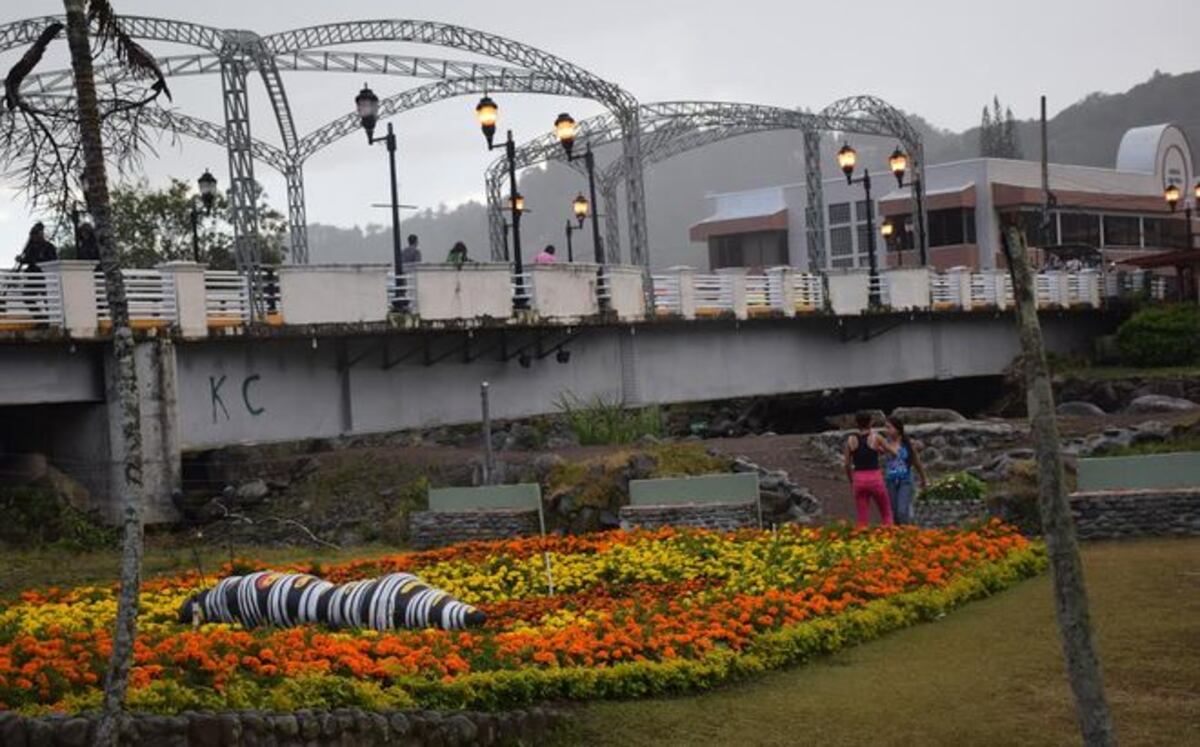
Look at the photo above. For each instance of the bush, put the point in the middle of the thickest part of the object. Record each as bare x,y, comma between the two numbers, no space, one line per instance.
601,422
1161,336
959,486
34,517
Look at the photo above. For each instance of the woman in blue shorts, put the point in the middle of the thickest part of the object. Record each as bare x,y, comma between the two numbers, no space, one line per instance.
902,462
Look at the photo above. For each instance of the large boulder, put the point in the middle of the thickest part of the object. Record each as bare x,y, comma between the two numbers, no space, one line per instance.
1151,403
1079,410
920,415
845,421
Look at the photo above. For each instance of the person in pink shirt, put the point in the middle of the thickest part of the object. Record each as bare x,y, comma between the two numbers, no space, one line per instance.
546,257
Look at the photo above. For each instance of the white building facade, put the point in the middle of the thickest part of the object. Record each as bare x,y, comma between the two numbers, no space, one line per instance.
1119,212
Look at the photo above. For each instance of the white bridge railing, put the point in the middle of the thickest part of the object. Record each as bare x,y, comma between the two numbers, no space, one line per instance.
149,293
29,299
158,298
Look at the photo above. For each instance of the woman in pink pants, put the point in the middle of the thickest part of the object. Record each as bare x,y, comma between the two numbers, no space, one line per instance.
862,468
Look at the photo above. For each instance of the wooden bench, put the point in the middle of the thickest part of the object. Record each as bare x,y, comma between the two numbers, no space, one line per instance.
723,502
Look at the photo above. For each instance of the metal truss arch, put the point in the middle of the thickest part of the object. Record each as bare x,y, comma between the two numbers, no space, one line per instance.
585,85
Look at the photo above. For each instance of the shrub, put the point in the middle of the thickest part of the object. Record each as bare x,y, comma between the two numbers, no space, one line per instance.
1161,336
34,517
599,421
959,486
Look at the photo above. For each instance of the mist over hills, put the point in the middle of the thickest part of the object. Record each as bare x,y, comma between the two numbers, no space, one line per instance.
1085,133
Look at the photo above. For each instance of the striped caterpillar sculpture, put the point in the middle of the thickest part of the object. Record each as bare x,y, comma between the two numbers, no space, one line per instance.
285,600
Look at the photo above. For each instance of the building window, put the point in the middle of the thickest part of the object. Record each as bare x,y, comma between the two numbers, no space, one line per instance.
952,226
841,242
1165,233
843,263
1029,223
760,249
1080,228
839,212
1122,230
860,210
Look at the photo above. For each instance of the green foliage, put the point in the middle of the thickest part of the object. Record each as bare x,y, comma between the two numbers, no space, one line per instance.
155,225
34,517
687,460
1161,336
958,486
600,421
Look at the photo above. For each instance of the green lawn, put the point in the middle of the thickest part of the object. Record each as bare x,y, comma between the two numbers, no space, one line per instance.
988,674
1111,373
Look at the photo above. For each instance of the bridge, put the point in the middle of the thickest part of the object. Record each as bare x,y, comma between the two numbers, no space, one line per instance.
333,358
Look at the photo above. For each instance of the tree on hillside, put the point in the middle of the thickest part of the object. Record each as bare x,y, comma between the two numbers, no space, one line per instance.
998,136
1058,527
59,145
155,225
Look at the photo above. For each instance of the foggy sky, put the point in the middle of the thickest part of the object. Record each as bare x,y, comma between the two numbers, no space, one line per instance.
938,58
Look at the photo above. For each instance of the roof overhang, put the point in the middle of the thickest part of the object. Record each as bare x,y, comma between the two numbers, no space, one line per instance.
718,226
900,201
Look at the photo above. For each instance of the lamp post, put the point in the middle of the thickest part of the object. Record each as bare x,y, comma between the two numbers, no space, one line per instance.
847,158
208,197
1172,194
367,104
887,229
487,112
580,207
566,130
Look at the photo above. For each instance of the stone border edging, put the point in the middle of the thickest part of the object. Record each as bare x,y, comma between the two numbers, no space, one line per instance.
300,728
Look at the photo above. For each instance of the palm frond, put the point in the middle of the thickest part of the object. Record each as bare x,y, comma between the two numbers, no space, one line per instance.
140,62
28,61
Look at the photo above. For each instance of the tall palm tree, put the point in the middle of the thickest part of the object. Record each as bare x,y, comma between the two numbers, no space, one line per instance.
59,135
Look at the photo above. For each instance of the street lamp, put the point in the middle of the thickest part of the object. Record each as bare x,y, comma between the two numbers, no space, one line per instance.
208,197
887,230
487,113
580,207
847,159
367,104
1172,194
567,131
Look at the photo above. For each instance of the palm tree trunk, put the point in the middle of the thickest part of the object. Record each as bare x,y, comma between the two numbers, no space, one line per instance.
125,378
1070,593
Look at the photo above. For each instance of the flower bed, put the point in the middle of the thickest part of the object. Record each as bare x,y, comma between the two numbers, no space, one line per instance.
634,614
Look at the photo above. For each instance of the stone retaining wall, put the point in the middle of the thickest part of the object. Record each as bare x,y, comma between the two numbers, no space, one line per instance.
437,528
344,726
1114,514
936,514
720,516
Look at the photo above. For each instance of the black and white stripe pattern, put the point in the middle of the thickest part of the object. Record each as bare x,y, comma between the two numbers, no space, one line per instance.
399,600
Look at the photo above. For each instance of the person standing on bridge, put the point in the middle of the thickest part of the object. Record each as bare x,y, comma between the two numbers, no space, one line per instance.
37,249
902,461
861,458
458,255
411,254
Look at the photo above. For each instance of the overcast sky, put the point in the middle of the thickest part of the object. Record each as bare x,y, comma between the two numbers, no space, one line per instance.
943,59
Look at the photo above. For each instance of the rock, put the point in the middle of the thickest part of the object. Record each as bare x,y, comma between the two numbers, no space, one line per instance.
1151,430
252,493
399,723
609,520
462,728
921,415
74,733
1018,455
562,442
523,437
641,466
1079,410
845,421
649,439
547,463
1150,403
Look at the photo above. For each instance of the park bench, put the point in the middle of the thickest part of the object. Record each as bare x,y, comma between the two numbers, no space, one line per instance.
723,502
1135,496
482,513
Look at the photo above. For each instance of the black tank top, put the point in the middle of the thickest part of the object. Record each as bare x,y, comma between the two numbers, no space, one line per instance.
865,458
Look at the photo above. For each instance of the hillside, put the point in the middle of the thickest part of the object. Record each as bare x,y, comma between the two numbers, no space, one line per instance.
1085,133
